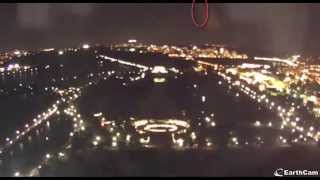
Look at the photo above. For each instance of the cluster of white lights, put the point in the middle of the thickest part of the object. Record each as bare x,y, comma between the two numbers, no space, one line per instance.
160,126
16,68
177,141
76,118
287,61
67,97
286,114
40,119
71,111
159,70
208,120
78,123
235,140
96,141
124,62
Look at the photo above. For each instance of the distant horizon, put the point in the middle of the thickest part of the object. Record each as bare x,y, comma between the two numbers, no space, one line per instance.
76,45
274,29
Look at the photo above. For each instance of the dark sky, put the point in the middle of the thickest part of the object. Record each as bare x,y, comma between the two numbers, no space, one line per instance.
258,28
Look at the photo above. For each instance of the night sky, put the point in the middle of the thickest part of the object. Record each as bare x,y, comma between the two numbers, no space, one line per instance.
257,28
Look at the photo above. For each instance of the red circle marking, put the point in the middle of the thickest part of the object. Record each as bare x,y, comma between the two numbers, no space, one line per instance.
206,13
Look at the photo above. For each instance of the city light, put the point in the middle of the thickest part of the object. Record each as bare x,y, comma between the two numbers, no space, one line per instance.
132,41
16,174
85,46
259,102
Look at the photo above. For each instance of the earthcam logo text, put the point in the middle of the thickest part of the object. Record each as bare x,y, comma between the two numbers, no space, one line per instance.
285,172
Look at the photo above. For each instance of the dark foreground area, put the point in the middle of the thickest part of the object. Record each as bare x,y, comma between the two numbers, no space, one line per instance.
222,162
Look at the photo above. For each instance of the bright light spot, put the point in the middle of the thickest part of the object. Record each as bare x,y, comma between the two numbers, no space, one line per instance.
203,98
159,69
85,46
207,119
17,174
83,128
114,144
159,80
71,134
193,136
180,142
132,41
234,139
95,143
98,138
48,156
311,128
132,49
128,137
97,114
17,52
